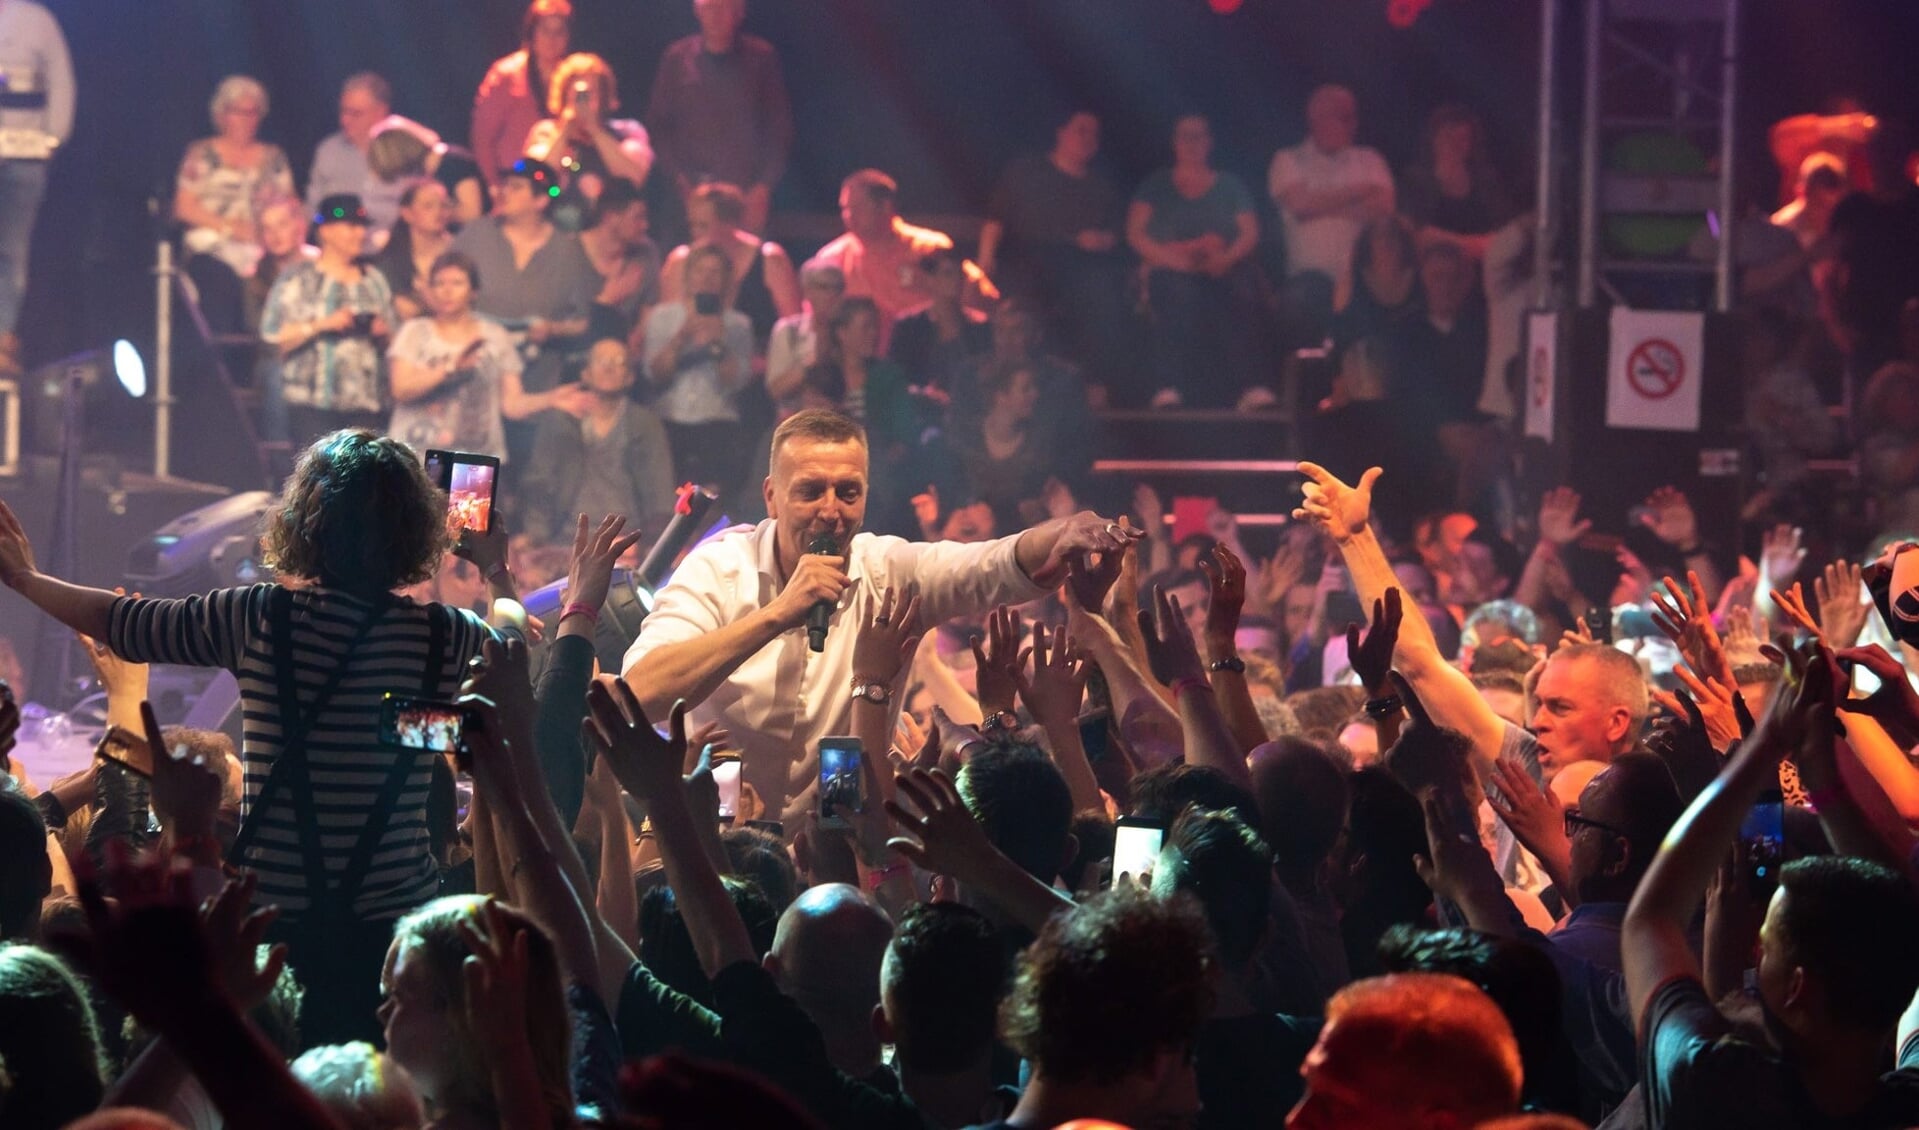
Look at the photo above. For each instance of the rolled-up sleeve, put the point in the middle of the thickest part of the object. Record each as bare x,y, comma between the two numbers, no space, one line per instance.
686,609
961,578
197,631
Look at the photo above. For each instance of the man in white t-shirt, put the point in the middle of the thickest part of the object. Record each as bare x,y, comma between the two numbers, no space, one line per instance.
1327,188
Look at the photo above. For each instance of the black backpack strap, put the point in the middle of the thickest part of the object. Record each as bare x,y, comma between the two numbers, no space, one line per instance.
289,770
360,860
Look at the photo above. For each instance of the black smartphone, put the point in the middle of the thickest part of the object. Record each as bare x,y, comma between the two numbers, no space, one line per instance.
1763,836
469,481
841,787
363,323
706,305
1094,735
1136,844
1599,623
423,723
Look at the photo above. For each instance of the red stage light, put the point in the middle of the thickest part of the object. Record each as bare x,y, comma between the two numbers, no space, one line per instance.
1402,13
1225,7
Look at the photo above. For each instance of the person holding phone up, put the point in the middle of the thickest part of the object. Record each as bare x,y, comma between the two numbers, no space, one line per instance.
454,375
699,352
327,318
335,822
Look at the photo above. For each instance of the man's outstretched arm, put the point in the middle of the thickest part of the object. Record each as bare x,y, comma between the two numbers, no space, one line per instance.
1344,513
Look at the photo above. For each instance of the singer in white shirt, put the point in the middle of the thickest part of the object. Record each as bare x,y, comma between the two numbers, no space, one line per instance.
727,633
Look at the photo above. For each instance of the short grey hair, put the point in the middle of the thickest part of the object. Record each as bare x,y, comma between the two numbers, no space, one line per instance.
233,88
375,86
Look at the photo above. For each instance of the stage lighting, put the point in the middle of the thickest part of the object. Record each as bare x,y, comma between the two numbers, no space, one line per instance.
88,385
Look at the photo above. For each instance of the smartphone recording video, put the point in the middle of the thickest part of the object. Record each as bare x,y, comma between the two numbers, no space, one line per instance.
726,776
423,723
469,481
841,792
1762,836
1136,844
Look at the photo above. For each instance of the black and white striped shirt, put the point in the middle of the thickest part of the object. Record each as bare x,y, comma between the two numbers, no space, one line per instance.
347,763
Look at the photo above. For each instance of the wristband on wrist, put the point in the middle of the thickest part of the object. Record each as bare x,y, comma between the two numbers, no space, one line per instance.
496,570
1231,663
580,608
1384,707
1190,682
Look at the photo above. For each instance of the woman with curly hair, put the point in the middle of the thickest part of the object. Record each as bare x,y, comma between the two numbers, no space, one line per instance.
335,822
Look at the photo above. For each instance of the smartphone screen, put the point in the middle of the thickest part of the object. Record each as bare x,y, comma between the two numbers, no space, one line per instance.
1763,835
469,481
840,785
726,775
706,305
1136,844
422,723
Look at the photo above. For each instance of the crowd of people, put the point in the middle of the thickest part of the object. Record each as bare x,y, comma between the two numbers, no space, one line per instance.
1449,817
1456,859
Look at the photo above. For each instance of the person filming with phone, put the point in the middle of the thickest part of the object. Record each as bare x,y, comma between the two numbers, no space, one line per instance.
725,634
335,825
455,374
698,351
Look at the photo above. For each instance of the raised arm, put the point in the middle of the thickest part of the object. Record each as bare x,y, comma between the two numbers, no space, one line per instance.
1176,662
704,652
85,610
1343,513
1653,939
1226,576
648,766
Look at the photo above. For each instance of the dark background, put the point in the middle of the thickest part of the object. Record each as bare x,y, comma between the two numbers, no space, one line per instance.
939,92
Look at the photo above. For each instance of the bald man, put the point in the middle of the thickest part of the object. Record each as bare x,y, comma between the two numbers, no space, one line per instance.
826,955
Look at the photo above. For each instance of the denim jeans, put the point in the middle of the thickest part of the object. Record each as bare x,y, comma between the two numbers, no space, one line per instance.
22,184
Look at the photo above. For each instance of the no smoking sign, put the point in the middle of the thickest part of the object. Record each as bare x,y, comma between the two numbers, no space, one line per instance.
1655,368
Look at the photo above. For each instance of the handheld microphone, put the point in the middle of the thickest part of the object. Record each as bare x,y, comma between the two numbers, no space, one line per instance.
821,614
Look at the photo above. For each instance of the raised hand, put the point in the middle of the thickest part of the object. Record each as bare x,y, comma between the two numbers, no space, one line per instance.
1686,619
1226,577
1669,515
502,673
1454,863
234,933
1792,602
1894,703
1713,702
886,642
16,552
1090,576
941,834
1580,633
1083,533
1530,809
594,553
148,949
1170,649
646,764
185,792
1781,550
1372,657
486,550
495,973
1339,510
1559,520
998,662
1843,603
1152,512
1279,573
1058,682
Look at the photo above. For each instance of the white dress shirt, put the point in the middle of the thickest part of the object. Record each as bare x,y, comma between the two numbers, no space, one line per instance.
1325,243
784,698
